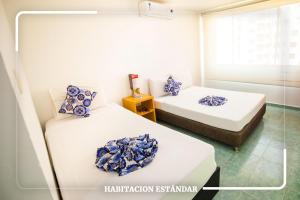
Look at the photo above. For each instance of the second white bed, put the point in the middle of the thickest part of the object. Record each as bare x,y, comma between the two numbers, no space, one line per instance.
237,112
73,142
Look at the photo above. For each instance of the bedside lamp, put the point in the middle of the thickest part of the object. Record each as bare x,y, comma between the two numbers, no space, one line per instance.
135,91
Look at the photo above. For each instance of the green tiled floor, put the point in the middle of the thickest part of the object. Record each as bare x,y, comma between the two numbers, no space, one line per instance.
260,159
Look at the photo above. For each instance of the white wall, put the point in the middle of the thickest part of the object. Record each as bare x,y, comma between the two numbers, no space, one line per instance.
19,166
23,154
101,50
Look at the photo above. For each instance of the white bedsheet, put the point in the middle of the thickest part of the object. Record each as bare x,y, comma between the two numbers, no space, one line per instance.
73,143
238,111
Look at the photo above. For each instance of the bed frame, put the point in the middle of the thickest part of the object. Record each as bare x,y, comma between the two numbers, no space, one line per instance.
232,138
214,181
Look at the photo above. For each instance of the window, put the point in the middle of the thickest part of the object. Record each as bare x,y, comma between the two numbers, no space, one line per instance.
260,46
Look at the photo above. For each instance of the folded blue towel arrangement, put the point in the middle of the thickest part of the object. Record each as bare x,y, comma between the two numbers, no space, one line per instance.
213,101
127,154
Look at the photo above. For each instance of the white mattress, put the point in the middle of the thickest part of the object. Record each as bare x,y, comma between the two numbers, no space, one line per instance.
237,112
73,142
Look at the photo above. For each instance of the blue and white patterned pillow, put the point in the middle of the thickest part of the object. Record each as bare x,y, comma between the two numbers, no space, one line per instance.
77,101
172,86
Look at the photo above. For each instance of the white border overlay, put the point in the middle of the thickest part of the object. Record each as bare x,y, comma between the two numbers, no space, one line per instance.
93,12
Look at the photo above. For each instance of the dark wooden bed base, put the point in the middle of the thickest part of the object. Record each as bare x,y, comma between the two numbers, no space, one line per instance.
214,181
232,138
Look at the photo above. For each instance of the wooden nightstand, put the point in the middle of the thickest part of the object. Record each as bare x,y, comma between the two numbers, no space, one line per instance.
143,106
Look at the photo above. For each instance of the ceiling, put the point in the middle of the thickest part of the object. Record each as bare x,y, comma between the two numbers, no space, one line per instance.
12,7
196,5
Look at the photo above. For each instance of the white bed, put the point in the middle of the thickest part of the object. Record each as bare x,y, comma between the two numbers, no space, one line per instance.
237,112
73,142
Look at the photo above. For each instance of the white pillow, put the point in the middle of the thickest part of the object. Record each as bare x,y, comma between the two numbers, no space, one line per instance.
156,87
58,96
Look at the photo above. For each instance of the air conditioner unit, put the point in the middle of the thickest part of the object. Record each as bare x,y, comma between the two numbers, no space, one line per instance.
154,9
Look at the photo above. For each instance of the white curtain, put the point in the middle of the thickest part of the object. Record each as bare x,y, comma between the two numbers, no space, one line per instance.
258,45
